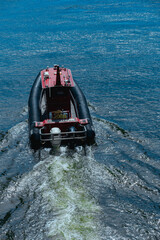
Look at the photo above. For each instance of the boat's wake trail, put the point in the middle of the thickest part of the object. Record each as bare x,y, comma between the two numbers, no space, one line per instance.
53,200
74,210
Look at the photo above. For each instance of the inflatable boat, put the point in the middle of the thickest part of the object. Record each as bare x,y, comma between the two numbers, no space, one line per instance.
58,111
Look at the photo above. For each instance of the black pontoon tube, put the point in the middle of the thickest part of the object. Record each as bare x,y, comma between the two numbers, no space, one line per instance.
35,112
83,111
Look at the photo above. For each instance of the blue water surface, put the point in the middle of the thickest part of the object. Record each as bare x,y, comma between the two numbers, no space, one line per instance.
113,50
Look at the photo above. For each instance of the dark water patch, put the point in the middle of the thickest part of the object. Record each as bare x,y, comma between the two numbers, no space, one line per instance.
8,214
113,127
16,157
140,145
2,135
133,197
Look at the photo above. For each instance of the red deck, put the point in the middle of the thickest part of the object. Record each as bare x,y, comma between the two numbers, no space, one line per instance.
49,76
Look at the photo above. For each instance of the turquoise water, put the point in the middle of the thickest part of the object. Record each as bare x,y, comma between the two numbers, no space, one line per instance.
109,191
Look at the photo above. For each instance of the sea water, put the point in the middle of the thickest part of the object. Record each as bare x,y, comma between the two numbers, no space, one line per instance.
108,191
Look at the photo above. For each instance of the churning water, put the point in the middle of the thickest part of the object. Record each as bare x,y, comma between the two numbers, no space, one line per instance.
108,191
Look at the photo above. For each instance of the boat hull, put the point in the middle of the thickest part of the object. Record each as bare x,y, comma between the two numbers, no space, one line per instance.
35,116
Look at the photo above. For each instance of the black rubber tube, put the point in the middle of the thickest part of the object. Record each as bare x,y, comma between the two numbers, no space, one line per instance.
83,111
35,112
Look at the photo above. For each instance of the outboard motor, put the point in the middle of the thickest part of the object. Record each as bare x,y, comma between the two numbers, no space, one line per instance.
56,136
